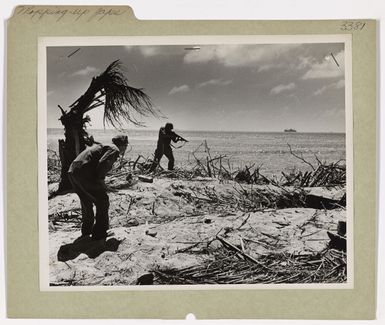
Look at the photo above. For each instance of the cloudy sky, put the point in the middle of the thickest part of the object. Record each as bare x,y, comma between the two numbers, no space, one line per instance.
217,87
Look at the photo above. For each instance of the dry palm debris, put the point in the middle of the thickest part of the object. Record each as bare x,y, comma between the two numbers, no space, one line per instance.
328,266
202,164
324,174
53,166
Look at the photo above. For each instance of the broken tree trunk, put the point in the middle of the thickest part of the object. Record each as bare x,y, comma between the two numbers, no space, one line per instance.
75,134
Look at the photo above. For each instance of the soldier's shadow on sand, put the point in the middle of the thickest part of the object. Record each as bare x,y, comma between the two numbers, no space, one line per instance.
85,245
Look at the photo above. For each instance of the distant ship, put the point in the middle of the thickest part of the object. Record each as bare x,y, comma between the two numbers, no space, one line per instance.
290,130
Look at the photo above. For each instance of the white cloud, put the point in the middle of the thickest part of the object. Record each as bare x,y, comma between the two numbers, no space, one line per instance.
335,85
305,62
179,89
336,112
270,66
161,50
149,50
146,50
86,71
280,88
238,55
340,84
214,82
265,67
327,68
320,91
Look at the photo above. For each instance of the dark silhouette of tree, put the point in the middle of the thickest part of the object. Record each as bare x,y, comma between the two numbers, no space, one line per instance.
121,103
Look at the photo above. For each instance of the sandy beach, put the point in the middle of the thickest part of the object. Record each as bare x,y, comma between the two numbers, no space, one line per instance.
177,223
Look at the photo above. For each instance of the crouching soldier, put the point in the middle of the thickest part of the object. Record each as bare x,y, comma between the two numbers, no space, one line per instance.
86,174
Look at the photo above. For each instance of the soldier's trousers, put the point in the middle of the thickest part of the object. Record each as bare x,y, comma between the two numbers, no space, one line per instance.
159,152
92,192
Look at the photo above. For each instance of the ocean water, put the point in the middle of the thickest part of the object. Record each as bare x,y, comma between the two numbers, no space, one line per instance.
267,149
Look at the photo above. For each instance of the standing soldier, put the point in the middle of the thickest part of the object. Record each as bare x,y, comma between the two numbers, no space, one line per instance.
166,134
86,174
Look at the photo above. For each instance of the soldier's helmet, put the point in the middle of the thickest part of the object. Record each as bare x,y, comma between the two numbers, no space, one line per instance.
120,140
169,126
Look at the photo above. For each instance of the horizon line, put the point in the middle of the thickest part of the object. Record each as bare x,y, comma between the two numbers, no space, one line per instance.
189,130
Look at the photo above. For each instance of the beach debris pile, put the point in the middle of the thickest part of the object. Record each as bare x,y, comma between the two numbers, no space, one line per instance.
333,174
324,174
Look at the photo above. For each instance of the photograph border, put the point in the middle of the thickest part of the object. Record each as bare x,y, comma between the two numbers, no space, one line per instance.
45,42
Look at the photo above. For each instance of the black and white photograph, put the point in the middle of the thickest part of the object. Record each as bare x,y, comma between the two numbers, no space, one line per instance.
182,162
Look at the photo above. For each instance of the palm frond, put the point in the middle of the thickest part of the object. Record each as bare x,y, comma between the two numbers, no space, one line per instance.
123,102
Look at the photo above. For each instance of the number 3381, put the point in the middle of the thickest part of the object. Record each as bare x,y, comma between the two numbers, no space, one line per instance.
352,25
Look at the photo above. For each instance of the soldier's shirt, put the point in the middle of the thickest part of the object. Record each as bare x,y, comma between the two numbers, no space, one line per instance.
95,161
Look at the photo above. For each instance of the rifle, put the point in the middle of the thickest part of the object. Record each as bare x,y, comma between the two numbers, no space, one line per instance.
179,138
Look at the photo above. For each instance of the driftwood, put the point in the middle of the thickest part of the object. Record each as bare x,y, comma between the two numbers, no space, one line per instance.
236,249
146,179
319,202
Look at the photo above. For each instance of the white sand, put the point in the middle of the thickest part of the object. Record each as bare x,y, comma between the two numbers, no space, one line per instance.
164,208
